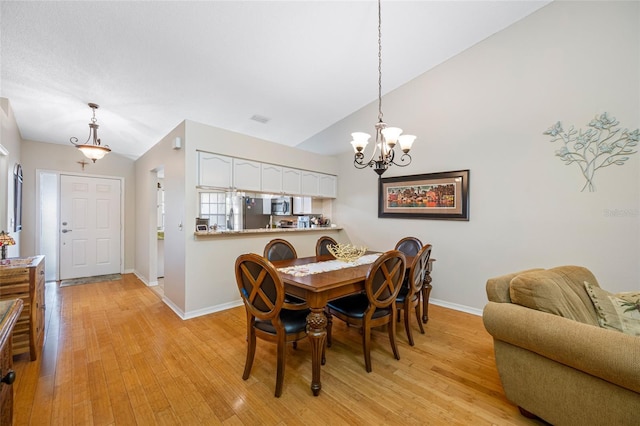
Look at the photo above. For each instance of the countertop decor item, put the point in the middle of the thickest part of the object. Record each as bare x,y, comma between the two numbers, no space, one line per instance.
92,148
386,137
346,252
600,146
5,240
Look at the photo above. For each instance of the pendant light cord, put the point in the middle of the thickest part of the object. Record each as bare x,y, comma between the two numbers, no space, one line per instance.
379,64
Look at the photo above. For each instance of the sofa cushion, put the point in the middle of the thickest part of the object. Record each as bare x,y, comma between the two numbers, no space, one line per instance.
559,291
616,313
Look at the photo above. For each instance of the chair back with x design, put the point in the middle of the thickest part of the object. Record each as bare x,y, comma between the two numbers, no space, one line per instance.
268,316
262,294
384,279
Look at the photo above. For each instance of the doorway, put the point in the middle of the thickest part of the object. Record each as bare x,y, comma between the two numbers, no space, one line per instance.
79,224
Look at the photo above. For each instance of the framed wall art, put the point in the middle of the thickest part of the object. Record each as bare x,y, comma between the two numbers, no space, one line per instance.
427,196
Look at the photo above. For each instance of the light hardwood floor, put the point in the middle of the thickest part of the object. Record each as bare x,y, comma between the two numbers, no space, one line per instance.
116,355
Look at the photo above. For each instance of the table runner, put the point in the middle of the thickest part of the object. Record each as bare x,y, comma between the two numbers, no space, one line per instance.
329,265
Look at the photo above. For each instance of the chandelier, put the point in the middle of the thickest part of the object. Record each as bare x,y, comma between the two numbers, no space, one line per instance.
387,138
94,150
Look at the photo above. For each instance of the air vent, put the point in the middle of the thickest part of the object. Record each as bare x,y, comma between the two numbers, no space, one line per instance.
260,119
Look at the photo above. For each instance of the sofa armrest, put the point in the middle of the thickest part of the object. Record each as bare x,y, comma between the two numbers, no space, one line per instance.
607,354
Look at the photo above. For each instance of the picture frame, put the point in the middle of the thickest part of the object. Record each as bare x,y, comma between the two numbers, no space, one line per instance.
443,195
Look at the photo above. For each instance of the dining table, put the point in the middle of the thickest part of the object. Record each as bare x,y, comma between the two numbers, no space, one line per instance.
301,278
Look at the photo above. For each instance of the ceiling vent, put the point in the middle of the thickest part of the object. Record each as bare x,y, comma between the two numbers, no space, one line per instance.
260,119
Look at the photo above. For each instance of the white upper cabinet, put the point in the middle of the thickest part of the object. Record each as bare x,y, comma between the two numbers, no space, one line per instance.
291,181
215,170
310,183
247,175
327,186
271,178
302,205
220,171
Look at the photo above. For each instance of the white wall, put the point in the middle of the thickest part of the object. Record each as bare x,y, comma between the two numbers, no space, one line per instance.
10,139
485,110
172,161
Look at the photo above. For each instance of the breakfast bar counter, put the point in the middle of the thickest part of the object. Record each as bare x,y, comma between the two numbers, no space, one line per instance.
320,229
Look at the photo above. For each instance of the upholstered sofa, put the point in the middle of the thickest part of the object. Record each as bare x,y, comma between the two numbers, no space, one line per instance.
558,352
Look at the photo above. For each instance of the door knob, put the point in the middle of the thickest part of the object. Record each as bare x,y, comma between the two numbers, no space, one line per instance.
9,378
64,231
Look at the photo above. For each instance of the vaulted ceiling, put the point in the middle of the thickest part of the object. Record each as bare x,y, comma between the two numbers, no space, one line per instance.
301,65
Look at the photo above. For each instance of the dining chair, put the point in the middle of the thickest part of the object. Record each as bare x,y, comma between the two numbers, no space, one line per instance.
409,296
279,249
376,306
322,243
268,316
409,246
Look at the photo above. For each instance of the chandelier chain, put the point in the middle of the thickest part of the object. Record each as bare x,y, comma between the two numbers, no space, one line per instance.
386,137
379,63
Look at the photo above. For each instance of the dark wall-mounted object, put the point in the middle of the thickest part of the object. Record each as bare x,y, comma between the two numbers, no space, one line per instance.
17,198
442,195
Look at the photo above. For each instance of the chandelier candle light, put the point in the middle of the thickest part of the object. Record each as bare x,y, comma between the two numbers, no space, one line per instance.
386,137
94,150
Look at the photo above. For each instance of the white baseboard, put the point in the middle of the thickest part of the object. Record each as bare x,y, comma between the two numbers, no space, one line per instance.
140,277
200,312
173,307
456,307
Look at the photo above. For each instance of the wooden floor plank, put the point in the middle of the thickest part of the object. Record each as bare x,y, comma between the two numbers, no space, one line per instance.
116,354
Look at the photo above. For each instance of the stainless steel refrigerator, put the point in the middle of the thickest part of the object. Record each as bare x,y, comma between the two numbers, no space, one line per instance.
247,213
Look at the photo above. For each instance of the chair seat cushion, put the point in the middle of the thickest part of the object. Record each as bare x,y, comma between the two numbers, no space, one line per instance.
402,295
355,306
293,321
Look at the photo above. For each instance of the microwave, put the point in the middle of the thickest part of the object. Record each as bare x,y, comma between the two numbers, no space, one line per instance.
282,206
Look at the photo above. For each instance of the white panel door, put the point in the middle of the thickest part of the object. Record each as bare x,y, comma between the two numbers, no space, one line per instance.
89,226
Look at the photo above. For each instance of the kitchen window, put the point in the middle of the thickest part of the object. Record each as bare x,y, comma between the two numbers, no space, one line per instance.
213,206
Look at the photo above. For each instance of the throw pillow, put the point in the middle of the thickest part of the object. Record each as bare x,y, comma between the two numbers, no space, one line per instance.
616,313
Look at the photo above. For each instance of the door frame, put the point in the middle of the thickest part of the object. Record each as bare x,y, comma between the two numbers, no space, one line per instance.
38,227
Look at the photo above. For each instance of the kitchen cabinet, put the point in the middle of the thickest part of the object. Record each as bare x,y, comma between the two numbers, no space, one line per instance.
215,170
310,183
271,178
24,279
319,184
327,186
302,205
291,181
219,171
247,175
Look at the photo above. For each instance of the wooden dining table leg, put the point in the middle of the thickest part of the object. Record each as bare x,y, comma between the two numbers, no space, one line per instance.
426,291
317,332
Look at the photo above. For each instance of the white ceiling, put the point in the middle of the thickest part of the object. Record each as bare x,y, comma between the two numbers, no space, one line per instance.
152,64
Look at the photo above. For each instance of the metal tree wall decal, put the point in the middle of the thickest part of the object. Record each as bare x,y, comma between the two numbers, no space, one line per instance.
600,146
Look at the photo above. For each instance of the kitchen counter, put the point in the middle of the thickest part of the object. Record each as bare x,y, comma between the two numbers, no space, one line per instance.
202,234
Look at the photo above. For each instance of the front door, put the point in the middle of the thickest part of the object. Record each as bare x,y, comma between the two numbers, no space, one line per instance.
90,219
